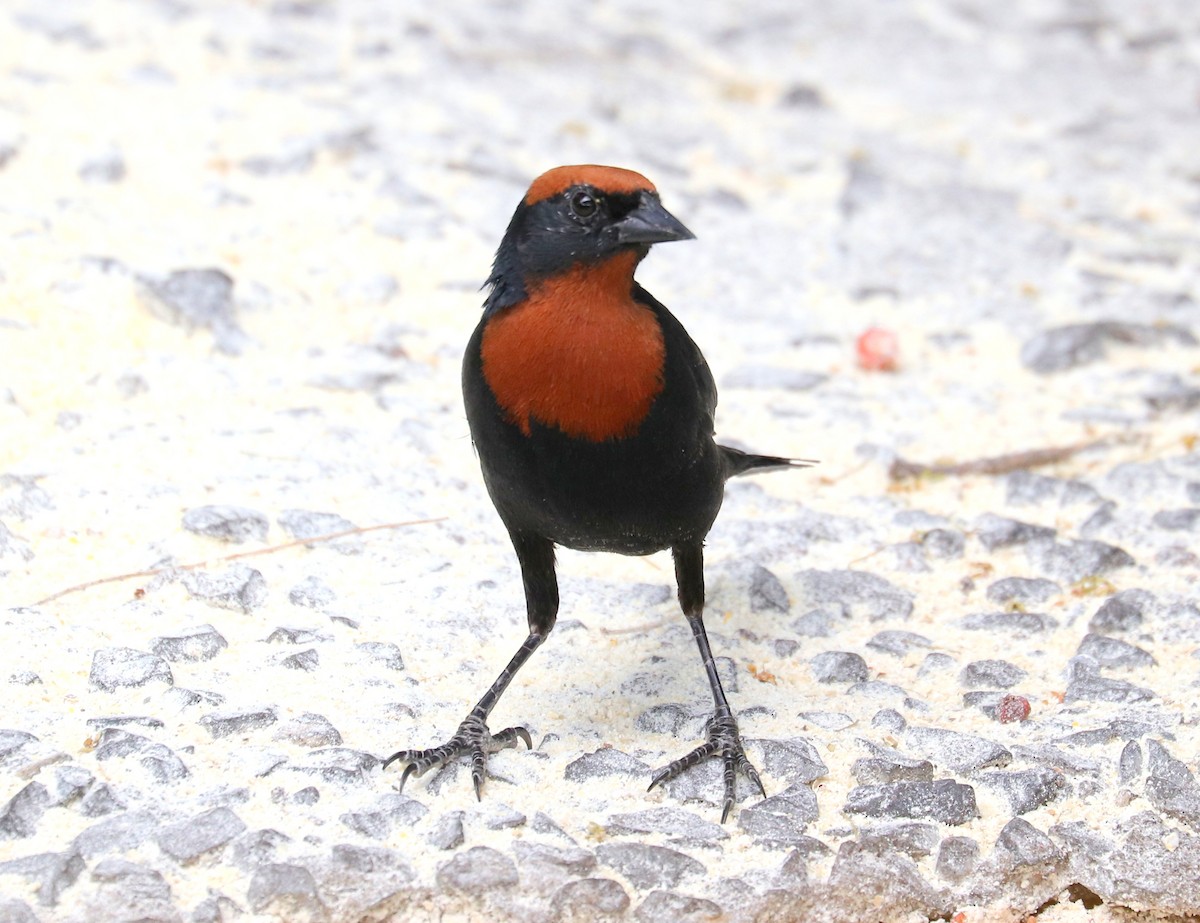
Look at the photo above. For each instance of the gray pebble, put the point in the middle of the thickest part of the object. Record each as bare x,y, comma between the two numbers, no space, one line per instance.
14,911
890,879
889,719
119,833
389,811
887,764
669,718
240,588
1025,845
1061,348
53,872
447,832
785,647
1123,611
945,801
827,720
780,820
590,899
957,857
676,823
309,730
337,764
913,839
1026,789
766,592
936,664
503,817
1171,787
897,643
288,890
1076,560
100,800
257,847
285,635
225,724
944,544
1185,520
124,721
853,594
194,645
159,760
604,762
1085,684
196,298
955,751
1113,652
1028,591
646,866
306,524
1017,624
24,678
990,674
216,908
1129,765
308,661
838,667
123,667
793,759
817,623
192,838
234,524
70,783
19,818
312,593
307,795
908,558
678,908
997,532
480,870
1025,488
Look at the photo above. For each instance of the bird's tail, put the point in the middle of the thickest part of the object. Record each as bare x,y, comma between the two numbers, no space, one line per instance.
738,462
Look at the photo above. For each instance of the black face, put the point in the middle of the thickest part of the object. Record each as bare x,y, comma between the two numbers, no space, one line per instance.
583,224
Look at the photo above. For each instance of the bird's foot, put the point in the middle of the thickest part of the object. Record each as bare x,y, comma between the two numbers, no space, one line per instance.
724,742
473,739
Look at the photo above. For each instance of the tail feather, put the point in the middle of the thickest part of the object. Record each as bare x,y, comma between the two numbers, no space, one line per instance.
738,462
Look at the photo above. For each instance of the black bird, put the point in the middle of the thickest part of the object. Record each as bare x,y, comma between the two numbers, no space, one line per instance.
591,410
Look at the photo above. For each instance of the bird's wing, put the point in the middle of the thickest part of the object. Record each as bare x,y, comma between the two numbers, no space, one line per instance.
685,354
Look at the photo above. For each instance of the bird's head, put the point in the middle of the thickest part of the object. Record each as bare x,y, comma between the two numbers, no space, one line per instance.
578,215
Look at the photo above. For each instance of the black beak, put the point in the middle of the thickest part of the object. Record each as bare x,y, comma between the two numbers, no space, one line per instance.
650,223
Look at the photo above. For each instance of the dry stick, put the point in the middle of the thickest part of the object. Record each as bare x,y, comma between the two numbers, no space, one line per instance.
234,557
997,464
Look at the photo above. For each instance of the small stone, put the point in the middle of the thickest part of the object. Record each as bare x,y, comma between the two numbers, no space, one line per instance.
116,668
766,592
780,820
196,298
192,838
309,730
898,643
99,801
307,661
1026,591
945,801
14,911
257,847
936,664
240,588
887,764
913,839
312,593
384,653
892,880
678,908
1129,765
956,858
646,866
53,873
288,890
838,667
302,525
669,718
216,908
70,782
19,818
954,751
676,823
307,795
997,532
604,762
1073,561
225,724
889,719
1123,611
590,899
1017,624
389,811
793,759
1085,684
1185,520
851,594
827,720
1026,845
477,871
1026,789
503,817
194,645
234,524
447,833
1025,488
944,544
285,635
990,674
120,833
337,764
1171,787
25,678
1113,652
1012,708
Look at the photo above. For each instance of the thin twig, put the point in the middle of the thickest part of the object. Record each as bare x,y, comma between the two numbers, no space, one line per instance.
996,464
197,565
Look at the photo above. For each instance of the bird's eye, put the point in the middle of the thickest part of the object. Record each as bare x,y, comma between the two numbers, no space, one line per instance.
584,204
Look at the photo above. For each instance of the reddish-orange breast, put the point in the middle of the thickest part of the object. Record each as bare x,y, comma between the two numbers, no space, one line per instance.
578,353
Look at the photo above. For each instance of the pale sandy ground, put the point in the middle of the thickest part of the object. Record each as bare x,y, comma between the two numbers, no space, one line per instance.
964,177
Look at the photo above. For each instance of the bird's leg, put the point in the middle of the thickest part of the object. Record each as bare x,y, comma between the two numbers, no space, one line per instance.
473,737
724,740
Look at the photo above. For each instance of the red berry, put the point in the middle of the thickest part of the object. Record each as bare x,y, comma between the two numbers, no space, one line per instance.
878,350
1012,708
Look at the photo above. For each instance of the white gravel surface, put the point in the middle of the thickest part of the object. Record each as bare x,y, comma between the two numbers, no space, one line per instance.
243,243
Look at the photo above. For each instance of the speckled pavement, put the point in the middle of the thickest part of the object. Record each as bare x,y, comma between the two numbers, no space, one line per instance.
242,248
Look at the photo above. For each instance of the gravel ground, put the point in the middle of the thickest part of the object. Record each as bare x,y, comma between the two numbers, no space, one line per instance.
242,249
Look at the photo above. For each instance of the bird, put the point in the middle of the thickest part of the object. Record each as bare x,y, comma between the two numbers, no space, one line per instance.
591,412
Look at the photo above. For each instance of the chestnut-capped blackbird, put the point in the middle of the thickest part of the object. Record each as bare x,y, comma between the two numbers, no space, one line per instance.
591,410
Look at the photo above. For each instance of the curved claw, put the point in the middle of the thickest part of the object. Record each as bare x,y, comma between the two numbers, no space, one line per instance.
409,770
509,737
723,739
